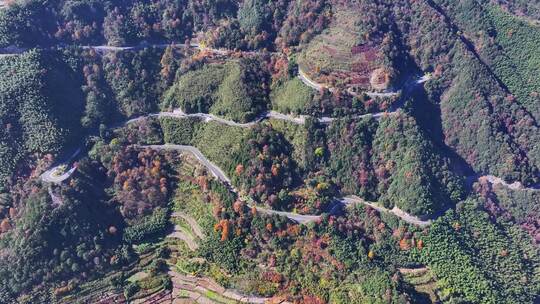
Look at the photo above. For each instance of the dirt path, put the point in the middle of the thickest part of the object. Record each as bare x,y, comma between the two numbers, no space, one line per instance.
178,233
215,170
56,200
413,271
319,86
192,223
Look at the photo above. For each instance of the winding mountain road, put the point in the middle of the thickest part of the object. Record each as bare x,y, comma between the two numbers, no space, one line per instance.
143,45
221,176
215,170
52,176
298,120
104,49
49,176
178,113
409,86
304,219
300,218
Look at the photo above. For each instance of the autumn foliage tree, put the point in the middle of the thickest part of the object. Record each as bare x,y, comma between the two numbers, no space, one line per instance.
264,167
140,180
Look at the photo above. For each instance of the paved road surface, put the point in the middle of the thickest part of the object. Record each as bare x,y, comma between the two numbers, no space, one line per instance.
381,94
352,200
414,271
514,186
310,83
215,170
51,175
221,176
103,49
299,120
299,218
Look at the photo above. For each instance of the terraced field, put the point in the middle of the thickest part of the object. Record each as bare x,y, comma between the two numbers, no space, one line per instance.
423,282
341,55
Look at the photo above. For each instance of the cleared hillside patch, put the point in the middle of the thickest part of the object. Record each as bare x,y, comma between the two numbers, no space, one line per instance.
292,96
341,55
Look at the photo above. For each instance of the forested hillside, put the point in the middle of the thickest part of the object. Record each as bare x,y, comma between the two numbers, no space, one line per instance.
392,161
40,104
276,151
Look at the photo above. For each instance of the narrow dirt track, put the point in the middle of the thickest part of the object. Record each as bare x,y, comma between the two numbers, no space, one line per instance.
186,238
192,223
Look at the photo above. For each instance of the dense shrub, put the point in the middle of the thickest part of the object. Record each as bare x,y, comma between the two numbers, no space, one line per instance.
134,80
292,96
148,226
27,24
195,91
481,119
265,155
392,162
481,261
410,172
236,90
179,131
